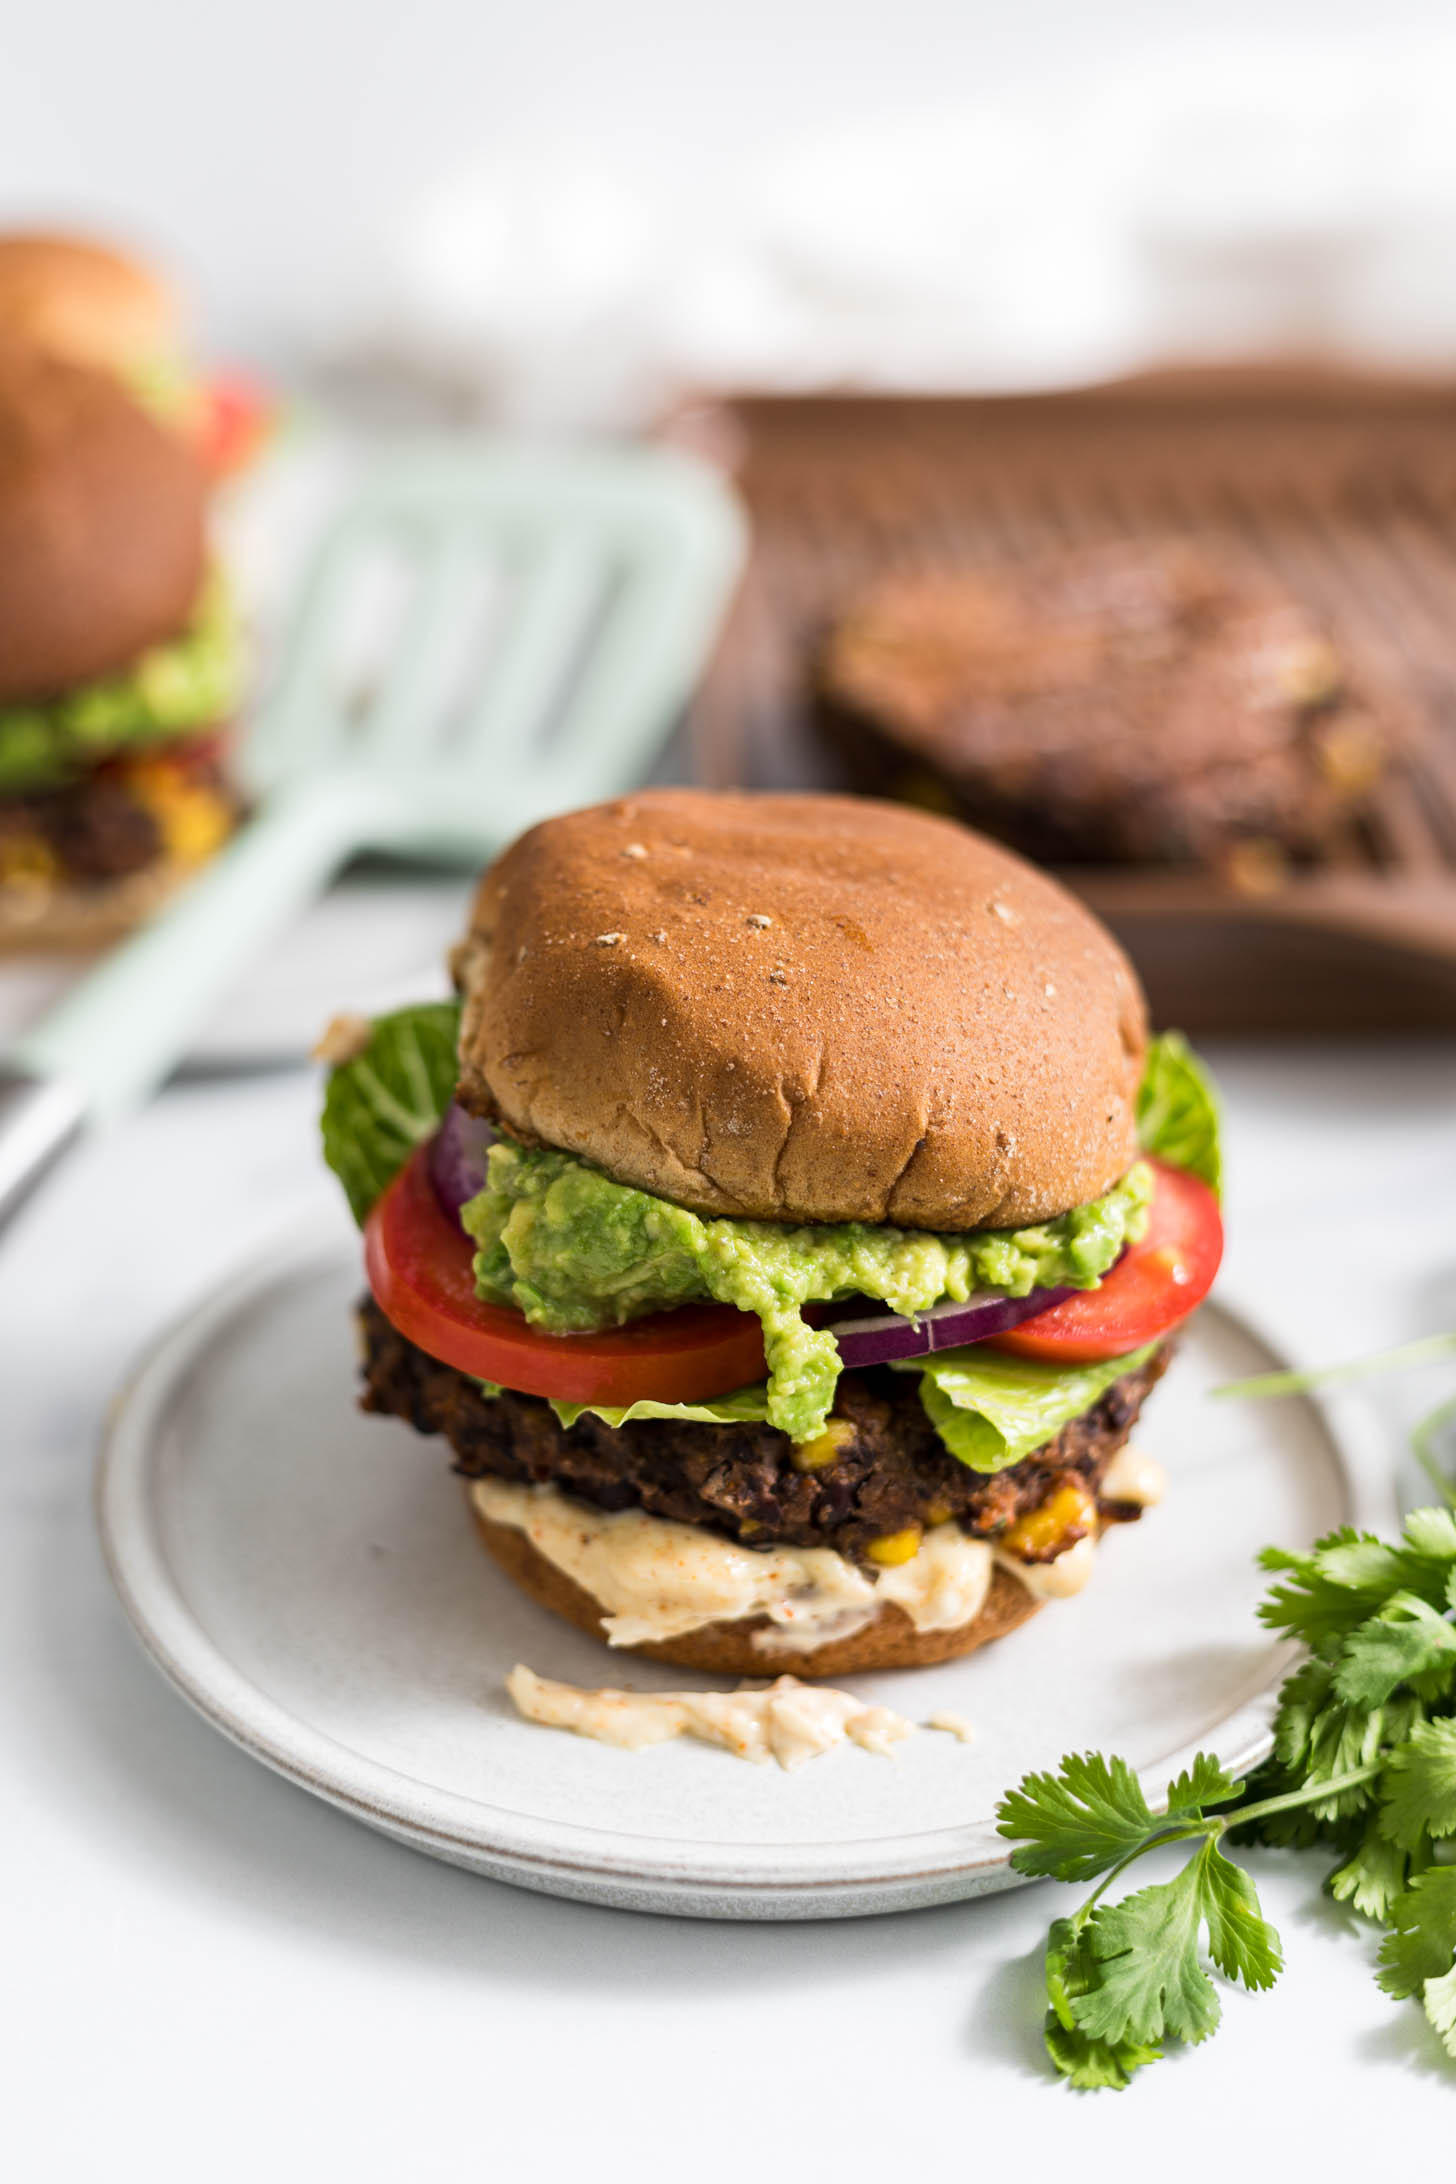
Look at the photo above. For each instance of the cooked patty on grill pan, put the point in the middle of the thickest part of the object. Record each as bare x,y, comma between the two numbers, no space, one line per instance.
1148,703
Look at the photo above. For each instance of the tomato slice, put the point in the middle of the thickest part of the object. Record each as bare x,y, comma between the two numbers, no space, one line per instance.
232,426
1155,1284
419,1264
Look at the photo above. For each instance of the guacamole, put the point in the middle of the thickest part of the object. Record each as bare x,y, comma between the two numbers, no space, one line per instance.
575,1251
175,688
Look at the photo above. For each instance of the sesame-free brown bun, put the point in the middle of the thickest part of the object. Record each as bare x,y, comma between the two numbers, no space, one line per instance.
801,1008
101,526
728,1649
79,300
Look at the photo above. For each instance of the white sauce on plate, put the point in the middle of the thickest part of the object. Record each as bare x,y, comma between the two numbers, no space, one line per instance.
788,1721
954,1725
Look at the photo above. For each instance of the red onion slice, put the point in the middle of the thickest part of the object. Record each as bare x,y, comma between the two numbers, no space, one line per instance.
457,1157
882,1337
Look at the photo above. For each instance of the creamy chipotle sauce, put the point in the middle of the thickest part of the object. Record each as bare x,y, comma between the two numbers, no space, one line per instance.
787,1721
656,1579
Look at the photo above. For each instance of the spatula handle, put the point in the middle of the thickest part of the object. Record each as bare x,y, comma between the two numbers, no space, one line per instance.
116,1034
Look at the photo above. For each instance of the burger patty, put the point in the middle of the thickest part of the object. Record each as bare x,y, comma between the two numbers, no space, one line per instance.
888,1473
1142,703
100,827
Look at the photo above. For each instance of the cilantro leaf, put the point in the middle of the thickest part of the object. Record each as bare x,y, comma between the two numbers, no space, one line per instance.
1241,1941
1375,1873
1317,1740
1419,1785
1150,1980
1432,1533
1422,1941
1092,2064
1408,1642
1345,1579
1350,1577
1303,1698
1078,1822
1204,1783
389,1098
1089,2063
1439,2002
1418,1956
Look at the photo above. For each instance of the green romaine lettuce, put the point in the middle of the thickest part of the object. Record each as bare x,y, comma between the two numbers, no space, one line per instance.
1177,1110
991,1409
389,1098
748,1407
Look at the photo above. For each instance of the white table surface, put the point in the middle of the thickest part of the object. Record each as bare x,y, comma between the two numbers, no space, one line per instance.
207,1974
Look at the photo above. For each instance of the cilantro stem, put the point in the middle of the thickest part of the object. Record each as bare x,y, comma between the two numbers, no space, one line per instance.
1313,1793
1212,1825
1400,1359
1423,1446
1176,1832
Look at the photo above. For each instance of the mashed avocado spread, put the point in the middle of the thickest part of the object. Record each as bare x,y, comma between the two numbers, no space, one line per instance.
575,1251
187,683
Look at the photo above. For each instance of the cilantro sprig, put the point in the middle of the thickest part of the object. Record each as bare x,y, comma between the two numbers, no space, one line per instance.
1364,1764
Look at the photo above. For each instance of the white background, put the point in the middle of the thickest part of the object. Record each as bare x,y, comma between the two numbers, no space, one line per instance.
294,159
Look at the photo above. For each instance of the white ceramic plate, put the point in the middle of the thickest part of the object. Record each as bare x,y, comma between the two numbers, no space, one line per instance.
307,1577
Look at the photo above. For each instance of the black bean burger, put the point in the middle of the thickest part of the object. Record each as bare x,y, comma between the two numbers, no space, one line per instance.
784,1227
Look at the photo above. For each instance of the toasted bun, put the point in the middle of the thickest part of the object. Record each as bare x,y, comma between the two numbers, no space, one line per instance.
78,300
101,526
801,1008
728,1649
76,920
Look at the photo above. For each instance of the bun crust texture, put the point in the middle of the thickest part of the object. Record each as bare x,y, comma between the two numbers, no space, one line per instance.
102,514
801,1008
729,1649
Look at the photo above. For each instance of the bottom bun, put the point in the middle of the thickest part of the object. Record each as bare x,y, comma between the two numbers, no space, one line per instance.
78,919
728,1649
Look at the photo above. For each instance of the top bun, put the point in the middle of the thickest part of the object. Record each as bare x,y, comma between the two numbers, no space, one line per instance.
801,1008
101,526
78,300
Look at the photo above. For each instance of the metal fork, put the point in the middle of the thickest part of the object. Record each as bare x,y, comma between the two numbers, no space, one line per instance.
550,611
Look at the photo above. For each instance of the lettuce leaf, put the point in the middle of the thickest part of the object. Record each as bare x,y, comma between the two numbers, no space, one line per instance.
1177,1110
991,1409
390,1098
748,1407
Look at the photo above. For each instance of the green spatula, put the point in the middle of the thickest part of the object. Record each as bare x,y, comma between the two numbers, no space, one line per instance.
487,635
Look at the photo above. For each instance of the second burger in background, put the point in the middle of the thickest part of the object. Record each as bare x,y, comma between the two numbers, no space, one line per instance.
90,303
119,659
785,1230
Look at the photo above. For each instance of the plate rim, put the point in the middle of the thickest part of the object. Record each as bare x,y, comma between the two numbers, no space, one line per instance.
874,1873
